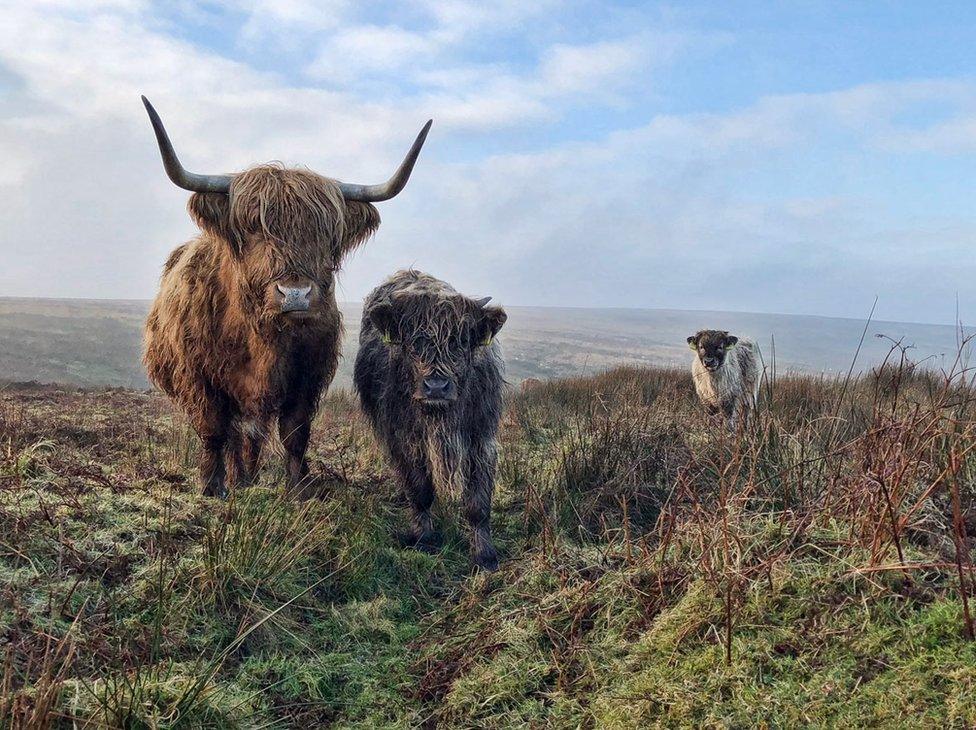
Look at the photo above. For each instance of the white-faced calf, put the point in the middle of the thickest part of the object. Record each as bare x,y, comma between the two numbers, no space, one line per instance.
726,373
429,377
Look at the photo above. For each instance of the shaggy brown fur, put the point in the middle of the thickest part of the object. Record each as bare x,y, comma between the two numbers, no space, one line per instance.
216,340
429,376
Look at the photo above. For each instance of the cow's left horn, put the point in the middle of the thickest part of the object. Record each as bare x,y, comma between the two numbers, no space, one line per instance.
186,180
387,190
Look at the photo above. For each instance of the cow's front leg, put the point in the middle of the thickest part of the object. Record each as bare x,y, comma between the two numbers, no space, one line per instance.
478,490
295,427
213,426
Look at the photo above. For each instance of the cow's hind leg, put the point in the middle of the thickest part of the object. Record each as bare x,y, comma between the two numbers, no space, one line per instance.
477,495
251,448
244,451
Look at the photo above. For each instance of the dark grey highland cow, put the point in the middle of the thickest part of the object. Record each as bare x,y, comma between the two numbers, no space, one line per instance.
430,377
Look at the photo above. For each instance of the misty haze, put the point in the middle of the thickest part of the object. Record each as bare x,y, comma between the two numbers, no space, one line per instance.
98,343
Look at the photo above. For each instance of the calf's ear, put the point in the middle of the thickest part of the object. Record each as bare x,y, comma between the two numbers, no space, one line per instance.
730,340
492,319
693,342
382,316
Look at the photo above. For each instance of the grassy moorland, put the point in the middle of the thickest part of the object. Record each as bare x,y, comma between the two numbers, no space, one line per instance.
814,570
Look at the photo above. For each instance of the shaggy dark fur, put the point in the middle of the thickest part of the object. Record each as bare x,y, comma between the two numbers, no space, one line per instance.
429,376
217,341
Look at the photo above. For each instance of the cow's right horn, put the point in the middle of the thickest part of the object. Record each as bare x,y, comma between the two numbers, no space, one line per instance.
186,180
387,190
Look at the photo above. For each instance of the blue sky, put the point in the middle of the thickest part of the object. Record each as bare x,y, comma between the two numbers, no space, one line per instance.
799,157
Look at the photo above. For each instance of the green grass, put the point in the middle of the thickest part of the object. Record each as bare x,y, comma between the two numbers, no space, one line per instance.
656,570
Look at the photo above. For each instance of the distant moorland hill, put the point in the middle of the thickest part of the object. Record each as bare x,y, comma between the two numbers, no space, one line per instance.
97,342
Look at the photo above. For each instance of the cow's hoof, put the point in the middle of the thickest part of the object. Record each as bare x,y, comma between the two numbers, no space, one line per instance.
304,490
429,543
486,560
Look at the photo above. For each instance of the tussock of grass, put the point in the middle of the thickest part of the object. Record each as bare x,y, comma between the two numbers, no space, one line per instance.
813,569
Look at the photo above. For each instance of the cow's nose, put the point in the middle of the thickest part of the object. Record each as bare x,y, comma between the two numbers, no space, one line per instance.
437,387
294,298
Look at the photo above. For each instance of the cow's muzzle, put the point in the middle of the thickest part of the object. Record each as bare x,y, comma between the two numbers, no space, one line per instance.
295,299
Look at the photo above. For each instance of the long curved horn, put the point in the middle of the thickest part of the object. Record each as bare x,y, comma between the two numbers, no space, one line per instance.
186,180
387,190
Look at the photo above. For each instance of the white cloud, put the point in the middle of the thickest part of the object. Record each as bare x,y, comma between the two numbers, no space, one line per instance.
953,136
280,18
432,59
662,215
677,211
574,69
368,48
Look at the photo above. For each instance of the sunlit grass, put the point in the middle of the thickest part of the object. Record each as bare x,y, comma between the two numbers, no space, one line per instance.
811,569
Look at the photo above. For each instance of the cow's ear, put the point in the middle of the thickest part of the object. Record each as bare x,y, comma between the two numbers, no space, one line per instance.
730,341
693,342
361,221
211,211
490,322
383,318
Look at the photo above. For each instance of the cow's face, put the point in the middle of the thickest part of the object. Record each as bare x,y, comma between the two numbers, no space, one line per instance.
434,339
288,231
711,347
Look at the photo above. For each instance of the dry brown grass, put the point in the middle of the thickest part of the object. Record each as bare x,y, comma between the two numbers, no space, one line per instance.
815,566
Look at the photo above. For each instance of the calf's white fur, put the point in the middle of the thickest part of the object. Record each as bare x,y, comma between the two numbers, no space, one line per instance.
731,388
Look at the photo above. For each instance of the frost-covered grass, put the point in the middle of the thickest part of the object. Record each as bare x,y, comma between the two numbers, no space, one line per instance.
656,570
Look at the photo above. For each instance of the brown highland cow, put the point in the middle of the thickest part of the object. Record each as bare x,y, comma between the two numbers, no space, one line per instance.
245,327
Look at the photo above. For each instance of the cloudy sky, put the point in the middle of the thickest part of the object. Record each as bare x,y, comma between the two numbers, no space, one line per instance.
798,157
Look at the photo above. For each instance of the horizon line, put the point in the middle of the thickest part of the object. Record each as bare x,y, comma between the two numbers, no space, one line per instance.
954,325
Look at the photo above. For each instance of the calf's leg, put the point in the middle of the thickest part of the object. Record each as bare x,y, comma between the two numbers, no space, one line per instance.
476,498
418,485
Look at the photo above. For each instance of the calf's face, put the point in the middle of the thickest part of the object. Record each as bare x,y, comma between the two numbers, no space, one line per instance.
434,339
711,347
